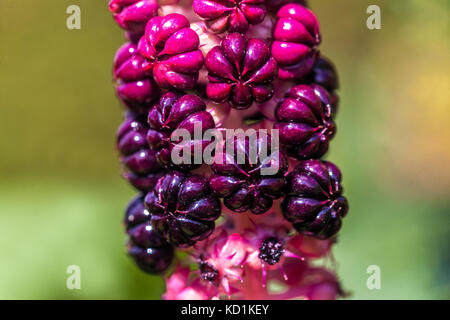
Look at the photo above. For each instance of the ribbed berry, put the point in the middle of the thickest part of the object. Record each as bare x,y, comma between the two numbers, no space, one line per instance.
230,15
324,73
183,208
314,203
131,72
132,15
172,49
240,180
304,119
271,251
146,246
142,168
296,36
241,71
173,113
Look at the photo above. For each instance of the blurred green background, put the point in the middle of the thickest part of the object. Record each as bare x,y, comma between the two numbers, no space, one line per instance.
62,198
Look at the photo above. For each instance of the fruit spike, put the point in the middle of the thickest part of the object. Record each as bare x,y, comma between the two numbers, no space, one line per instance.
220,65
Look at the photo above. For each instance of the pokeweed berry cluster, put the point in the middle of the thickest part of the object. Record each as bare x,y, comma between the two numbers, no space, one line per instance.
222,65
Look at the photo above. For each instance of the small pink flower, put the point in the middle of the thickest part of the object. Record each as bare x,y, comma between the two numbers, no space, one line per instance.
221,259
179,286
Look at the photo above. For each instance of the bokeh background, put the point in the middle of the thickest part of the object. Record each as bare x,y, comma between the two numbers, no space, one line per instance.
62,198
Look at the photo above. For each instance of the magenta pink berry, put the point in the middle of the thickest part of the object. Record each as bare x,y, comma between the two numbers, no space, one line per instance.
178,112
241,71
172,49
132,15
204,82
230,15
275,5
296,36
305,122
134,87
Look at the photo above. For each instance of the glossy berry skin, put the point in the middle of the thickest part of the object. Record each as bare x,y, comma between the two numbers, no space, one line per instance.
132,15
173,113
132,74
242,184
183,208
241,71
296,36
230,15
171,48
146,246
275,5
324,73
314,203
304,119
142,168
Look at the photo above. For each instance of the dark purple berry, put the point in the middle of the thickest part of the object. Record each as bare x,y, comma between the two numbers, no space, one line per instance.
314,203
241,71
271,251
208,272
142,168
183,208
167,118
241,180
230,15
134,87
305,121
151,252
324,74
